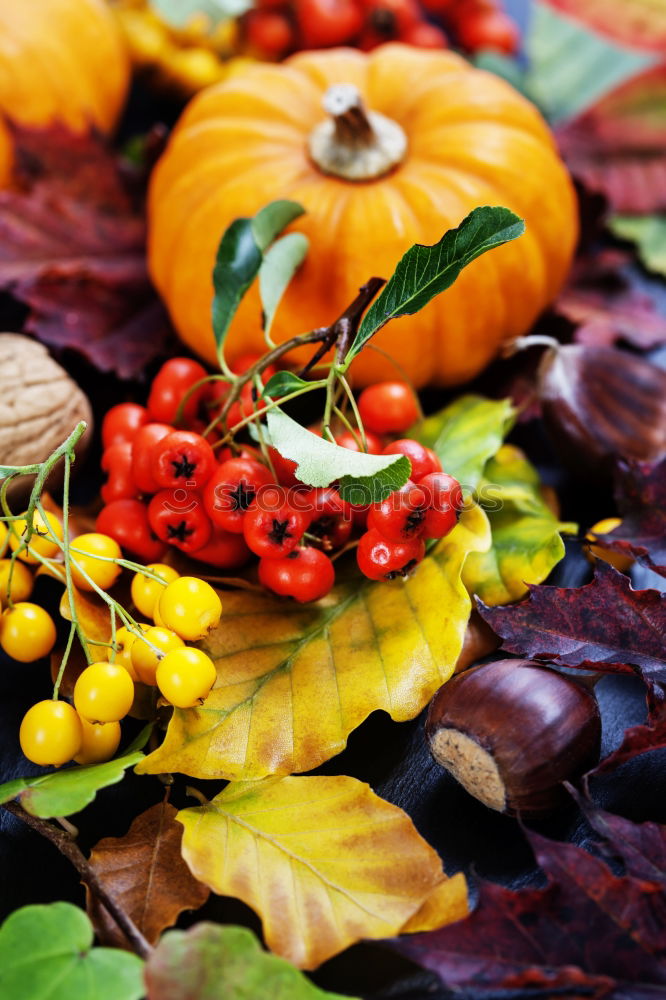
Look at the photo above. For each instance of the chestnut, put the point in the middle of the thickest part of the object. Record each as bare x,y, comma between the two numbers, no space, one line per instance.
512,731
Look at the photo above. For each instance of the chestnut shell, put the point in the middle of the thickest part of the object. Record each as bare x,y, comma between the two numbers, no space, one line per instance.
601,403
539,728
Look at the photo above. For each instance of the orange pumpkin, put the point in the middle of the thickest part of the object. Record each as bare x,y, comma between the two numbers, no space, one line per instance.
447,138
60,60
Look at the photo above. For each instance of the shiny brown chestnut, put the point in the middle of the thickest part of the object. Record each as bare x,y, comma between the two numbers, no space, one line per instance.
512,731
600,404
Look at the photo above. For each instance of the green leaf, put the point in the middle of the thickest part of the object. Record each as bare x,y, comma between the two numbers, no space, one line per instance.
270,220
526,541
363,478
466,435
425,271
648,232
571,67
282,383
65,792
46,953
281,261
239,259
179,12
210,962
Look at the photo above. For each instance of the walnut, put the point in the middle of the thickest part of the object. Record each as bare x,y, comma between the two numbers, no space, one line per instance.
39,406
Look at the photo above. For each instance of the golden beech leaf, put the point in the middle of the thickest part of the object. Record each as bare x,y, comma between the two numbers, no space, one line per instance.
293,681
94,617
145,872
323,860
447,903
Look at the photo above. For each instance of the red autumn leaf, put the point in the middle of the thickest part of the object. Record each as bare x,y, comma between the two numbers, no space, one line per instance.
637,23
618,146
641,847
589,933
640,492
603,317
145,872
606,626
72,249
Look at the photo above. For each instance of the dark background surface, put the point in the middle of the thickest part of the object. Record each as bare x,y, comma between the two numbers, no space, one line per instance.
391,757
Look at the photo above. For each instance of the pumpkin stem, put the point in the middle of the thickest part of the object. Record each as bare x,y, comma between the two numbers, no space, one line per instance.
355,144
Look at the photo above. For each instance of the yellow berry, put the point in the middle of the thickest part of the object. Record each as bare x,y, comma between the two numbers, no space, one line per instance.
90,554
27,632
50,733
620,561
21,585
42,541
98,743
104,692
185,677
146,591
190,607
144,657
124,642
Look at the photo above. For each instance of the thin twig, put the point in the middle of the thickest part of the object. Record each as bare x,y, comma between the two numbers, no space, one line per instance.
68,847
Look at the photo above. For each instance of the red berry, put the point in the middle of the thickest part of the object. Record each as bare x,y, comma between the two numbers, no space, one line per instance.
284,468
434,458
270,31
117,462
489,29
425,36
177,516
391,18
330,517
327,22
232,489
122,422
306,574
380,559
388,407
224,550
275,528
142,446
445,501
420,458
169,387
127,522
182,458
347,440
400,517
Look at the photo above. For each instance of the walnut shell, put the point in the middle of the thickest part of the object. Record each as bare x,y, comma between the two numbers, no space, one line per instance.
40,405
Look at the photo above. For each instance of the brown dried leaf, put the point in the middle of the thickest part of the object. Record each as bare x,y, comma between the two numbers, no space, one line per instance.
145,872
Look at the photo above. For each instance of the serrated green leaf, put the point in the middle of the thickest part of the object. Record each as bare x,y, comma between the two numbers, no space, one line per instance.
69,791
363,478
570,66
425,271
526,541
282,383
179,12
213,962
648,232
239,259
46,953
466,435
281,261
270,220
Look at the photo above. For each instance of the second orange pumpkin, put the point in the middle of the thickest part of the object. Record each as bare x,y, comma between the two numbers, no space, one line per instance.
447,139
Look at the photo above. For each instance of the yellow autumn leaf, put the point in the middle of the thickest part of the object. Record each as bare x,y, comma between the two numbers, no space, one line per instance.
447,903
323,860
94,618
293,681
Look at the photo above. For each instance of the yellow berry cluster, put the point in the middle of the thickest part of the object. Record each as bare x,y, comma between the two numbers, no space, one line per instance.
54,732
187,58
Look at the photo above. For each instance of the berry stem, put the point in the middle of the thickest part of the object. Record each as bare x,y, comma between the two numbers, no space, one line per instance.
68,847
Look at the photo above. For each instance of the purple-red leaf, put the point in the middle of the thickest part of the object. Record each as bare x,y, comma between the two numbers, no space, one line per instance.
589,933
72,248
618,147
640,492
640,846
603,317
